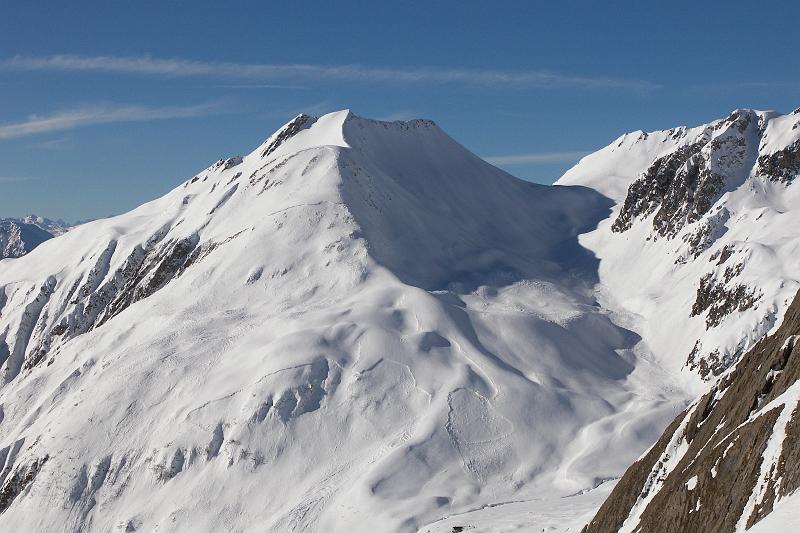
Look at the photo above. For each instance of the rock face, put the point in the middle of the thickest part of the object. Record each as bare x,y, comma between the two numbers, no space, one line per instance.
782,165
703,232
17,238
725,461
682,186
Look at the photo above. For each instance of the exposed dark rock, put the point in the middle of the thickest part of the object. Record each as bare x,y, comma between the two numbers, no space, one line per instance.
718,300
98,297
710,364
647,193
724,434
723,255
782,166
146,272
682,186
225,164
299,123
18,482
705,234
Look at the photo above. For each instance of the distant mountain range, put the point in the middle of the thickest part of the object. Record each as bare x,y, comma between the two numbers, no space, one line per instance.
18,236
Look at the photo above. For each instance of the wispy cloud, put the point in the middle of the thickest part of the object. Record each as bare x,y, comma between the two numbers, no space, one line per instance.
85,116
263,86
15,179
535,158
52,144
355,73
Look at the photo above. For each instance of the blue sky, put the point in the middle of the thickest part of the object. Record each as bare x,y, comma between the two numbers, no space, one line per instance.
105,105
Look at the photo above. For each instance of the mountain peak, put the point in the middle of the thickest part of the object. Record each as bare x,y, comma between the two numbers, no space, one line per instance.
339,128
344,280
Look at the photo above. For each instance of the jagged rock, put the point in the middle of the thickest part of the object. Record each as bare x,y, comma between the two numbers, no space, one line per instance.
718,300
782,166
683,185
299,123
687,197
19,481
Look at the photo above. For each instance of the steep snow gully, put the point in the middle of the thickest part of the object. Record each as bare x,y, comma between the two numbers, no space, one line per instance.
360,325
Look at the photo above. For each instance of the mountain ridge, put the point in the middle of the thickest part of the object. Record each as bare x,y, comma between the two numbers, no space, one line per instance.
709,215
709,208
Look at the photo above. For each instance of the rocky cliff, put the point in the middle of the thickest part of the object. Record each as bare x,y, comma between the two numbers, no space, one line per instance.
724,462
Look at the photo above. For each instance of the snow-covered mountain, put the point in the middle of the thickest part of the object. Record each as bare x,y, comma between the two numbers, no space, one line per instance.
701,247
359,326
18,236
700,253
54,227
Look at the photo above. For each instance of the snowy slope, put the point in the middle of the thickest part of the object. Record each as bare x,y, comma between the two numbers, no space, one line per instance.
784,517
700,250
358,326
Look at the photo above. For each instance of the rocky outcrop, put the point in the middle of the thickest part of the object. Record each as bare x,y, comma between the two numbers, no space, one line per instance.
781,166
725,461
718,300
299,123
18,482
92,300
687,197
682,186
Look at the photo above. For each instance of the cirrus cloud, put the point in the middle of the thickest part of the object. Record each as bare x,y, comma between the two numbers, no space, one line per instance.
176,67
15,179
98,114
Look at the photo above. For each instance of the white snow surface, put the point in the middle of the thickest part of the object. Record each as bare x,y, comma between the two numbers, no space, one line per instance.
654,280
783,518
554,515
377,331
